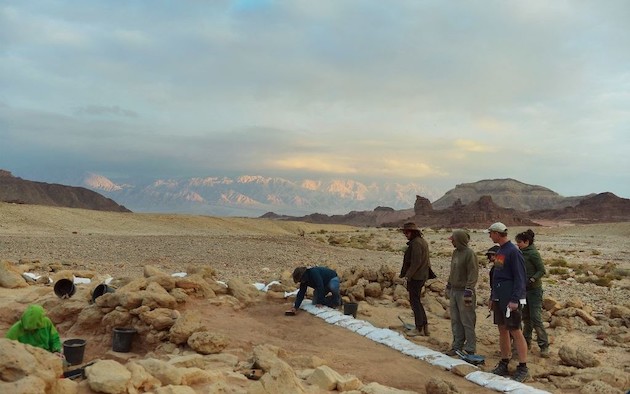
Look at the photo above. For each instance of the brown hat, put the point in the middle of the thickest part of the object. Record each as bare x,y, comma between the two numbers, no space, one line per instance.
410,226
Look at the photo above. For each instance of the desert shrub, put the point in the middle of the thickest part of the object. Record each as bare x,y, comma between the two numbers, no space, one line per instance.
557,262
558,271
323,231
580,268
337,240
604,281
385,246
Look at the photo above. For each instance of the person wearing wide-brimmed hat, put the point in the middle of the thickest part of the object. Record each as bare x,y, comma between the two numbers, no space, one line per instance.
416,268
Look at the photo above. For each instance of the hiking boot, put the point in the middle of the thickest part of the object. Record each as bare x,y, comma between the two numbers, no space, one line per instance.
452,352
521,374
414,333
425,328
544,352
501,369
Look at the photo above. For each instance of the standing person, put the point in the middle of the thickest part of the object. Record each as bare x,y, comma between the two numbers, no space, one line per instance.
416,267
323,280
460,288
507,292
532,313
36,329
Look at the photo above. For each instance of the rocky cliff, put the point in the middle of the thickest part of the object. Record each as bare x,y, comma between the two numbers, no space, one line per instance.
17,190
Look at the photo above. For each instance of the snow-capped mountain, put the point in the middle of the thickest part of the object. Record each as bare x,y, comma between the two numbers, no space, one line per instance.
254,195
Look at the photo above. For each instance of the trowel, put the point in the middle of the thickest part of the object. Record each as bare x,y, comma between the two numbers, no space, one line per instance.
407,326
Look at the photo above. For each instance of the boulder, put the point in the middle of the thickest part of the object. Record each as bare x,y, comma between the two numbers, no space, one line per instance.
108,376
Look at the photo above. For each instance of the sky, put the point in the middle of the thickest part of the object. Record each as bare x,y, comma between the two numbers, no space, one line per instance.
436,93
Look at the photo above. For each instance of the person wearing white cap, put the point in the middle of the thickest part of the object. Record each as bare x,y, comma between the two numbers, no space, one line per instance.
508,289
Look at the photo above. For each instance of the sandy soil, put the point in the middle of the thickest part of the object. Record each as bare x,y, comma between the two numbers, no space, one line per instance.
259,250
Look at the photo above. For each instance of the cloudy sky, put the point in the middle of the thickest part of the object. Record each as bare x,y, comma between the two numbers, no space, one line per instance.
431,92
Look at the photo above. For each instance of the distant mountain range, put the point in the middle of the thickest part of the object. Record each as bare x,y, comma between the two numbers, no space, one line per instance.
467,205
253,195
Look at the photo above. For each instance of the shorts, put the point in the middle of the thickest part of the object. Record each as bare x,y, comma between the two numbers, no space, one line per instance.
513,322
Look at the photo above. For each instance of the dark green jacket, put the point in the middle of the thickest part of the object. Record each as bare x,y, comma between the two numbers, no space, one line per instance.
533,266
464,268
35,329
416,263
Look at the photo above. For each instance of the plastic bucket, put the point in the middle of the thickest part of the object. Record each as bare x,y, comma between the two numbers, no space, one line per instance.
122,339
101,290
64,288
73,350
350,308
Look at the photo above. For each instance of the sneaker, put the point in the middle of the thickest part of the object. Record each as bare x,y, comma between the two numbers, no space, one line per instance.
544,352
521,374
501,369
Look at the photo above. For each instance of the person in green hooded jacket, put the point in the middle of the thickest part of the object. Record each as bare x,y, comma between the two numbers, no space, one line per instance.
460,290
36,329
532,313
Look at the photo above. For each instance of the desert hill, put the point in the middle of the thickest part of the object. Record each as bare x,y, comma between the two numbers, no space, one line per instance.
17,190
507,193
594,208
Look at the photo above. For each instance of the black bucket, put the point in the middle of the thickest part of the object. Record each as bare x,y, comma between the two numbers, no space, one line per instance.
101,290
73,350
350,308
122,339
64,288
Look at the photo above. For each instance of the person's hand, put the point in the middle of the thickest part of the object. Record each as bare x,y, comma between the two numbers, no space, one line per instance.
513,306
468,297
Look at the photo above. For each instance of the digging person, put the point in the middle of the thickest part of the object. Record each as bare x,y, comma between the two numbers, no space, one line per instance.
36,329
323,280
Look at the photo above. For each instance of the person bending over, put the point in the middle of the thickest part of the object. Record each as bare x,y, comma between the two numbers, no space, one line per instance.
323,280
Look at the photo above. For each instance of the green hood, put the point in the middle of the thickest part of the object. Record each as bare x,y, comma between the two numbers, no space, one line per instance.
33,317
460,239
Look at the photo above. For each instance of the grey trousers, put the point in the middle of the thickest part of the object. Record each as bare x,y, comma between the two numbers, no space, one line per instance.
463,321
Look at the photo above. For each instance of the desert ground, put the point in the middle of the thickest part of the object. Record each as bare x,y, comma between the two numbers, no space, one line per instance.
588,269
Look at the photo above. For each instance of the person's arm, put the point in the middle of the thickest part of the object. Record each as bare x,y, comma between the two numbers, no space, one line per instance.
14,331
318,285
300,296
472,269
55,341
538,265
519,276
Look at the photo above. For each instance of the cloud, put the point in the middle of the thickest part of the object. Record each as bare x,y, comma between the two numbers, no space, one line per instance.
422,90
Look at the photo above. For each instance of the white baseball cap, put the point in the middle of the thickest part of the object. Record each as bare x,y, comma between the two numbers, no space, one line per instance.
498,227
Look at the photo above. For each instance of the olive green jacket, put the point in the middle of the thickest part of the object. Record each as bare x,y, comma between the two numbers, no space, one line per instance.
534,266
464,267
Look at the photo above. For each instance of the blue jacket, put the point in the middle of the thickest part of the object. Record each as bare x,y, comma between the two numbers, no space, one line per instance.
317,278
509,265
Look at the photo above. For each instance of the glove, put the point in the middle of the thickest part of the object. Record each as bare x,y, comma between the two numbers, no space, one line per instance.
468,297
